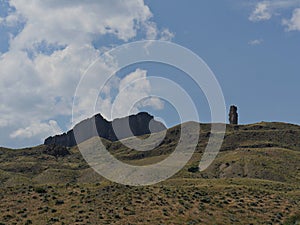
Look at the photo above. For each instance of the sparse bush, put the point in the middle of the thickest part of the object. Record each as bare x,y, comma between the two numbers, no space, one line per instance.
40,190
206,200
53,210
59,202
54,219
28,222
117,216
193,169
294,220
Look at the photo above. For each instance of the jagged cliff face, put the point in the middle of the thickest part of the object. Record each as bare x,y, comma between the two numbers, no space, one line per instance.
135,125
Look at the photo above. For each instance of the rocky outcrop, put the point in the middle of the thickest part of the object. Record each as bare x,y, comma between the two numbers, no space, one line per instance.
134,125
233,115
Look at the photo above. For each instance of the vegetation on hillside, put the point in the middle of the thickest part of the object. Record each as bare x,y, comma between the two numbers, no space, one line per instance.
255,179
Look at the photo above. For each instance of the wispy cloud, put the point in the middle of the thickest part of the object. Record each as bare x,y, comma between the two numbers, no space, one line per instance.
265,10
256,42
261,12
293,24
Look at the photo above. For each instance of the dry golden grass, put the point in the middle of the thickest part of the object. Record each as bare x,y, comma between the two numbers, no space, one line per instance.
254,180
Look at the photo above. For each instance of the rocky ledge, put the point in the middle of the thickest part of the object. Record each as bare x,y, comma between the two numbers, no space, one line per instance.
134,125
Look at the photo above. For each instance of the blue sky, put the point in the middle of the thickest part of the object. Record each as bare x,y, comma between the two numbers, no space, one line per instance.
263,79
251,46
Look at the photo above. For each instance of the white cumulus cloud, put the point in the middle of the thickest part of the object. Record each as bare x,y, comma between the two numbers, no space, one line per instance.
66,22
134,89
37,130
51,50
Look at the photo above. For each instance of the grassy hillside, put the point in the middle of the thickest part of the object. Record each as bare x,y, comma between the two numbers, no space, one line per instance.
255,179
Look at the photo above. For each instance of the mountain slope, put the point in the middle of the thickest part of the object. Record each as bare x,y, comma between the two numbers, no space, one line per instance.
255,179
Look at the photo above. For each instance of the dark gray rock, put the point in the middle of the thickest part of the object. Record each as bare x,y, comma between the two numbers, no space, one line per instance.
233,115
134,125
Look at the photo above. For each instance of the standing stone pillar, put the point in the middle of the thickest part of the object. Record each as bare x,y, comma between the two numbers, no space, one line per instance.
233,115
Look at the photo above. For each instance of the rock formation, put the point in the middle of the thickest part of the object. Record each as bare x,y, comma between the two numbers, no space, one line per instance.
233,115
134,125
